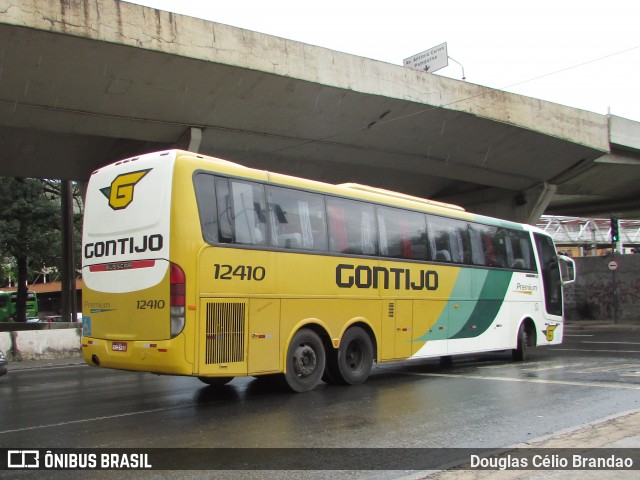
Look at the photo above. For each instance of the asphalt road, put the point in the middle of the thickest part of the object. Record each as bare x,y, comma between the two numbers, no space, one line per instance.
480,401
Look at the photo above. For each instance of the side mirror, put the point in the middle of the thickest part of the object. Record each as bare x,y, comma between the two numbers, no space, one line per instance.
567,269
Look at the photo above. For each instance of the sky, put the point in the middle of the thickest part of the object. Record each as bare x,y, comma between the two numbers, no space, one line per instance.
580,53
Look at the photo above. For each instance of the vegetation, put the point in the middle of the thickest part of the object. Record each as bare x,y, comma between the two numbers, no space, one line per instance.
30,224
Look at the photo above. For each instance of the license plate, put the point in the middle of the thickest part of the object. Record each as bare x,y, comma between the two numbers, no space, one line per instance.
119,346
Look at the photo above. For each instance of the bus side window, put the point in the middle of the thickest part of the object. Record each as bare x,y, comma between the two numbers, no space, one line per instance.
519,250
448,240
438,240
475,241
297,219
207,209
462,240
493,243
402,234
225,212
352,227
500,244
527,250
249,207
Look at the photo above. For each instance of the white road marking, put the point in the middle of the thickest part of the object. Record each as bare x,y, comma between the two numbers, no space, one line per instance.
622,386
506,365
591,350
94,419
535,366
542,368
607,368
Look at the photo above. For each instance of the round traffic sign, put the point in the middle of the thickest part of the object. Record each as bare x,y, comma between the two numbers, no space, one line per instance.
613,265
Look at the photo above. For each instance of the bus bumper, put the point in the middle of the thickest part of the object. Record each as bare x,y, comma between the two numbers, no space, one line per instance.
163,356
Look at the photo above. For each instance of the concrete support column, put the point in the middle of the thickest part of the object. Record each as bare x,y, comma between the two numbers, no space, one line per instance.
541,196
190,140
68,290
524,207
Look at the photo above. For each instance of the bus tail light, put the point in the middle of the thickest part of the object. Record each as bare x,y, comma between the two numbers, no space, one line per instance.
177,302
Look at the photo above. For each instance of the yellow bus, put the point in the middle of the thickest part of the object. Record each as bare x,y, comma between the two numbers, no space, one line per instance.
198,266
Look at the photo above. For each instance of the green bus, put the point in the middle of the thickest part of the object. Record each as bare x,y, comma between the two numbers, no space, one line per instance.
8,305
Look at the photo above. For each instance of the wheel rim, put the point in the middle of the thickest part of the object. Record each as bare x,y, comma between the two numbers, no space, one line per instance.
304,360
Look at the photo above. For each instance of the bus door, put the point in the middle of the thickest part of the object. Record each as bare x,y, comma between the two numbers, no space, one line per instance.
551,278
263,337
397,329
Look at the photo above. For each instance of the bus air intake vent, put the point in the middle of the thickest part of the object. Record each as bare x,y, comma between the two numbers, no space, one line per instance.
225,333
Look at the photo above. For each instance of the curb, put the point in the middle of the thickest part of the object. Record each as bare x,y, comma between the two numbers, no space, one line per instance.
45,363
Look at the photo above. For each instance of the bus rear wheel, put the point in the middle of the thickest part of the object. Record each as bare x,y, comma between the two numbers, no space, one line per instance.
215,381
305,361
351,364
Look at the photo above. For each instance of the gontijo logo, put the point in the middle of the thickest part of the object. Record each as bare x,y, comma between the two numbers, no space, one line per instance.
120,192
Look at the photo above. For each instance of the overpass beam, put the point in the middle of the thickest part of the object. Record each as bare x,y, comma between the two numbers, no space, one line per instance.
522,207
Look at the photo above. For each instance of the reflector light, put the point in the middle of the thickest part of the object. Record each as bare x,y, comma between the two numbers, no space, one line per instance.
177,299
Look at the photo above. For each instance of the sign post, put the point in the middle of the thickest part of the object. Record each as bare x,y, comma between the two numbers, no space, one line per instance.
613,266
430,60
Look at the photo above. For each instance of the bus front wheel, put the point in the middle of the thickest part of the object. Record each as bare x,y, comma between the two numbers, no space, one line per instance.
305,361
519,353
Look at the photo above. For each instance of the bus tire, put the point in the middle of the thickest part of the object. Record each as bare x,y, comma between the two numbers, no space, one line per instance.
331,373
355,356
519,354
215,381
446,361
305,361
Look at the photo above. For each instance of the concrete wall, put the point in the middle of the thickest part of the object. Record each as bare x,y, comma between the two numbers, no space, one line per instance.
593,296
41,344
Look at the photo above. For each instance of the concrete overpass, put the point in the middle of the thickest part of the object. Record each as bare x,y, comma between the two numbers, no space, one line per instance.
85,82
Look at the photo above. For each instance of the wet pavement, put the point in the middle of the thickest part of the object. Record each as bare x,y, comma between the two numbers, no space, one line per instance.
618,431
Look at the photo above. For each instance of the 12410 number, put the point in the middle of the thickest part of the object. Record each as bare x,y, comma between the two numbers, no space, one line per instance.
150,304
242,272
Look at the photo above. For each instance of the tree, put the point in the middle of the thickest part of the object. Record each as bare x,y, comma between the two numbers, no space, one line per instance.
29,230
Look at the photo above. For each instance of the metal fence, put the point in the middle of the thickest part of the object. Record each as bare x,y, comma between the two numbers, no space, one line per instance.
589,231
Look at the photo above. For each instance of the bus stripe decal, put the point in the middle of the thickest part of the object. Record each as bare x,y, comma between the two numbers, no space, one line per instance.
487,306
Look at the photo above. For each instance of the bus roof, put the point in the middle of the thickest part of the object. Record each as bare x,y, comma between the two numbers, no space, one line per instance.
349,189
404,196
